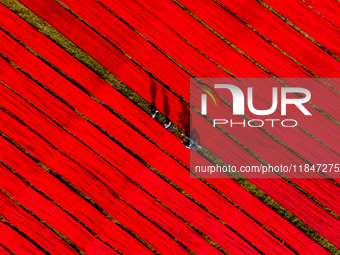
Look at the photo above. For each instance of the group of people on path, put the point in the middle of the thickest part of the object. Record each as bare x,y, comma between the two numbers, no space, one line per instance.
186,140
154,114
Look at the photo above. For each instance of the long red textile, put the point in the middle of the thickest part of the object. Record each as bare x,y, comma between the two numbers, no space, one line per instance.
97,222
129,80
171,163
119,210
93,83
148,177
68,200
32,117
35,139
154,27
176,17
259,50
29,225
107,187
310,22
251,140
312,124
297,141
251,48
329,9
229,183
286,38
3,250
50,213
16,242
332,139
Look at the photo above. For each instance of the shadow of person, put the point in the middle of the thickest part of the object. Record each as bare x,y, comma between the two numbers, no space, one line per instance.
185,122
166,105
184,118
153,92
194,134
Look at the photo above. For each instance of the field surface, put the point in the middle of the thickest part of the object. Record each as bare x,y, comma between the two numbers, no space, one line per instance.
86,169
